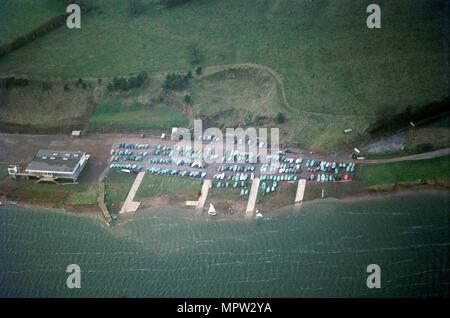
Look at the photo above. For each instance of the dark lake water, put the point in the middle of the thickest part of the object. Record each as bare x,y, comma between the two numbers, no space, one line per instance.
323,251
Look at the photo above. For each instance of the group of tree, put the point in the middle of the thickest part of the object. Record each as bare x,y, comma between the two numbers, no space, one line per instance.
12,82
176,81
187,99
80,82
123,84
280,118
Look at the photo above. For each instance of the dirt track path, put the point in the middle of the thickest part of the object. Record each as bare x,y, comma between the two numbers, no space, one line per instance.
422,156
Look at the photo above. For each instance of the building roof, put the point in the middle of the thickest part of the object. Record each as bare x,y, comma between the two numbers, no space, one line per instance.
55,161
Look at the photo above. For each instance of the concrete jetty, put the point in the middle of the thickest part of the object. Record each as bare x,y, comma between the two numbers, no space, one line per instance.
130,206
300,193
252,199
204,194
102,205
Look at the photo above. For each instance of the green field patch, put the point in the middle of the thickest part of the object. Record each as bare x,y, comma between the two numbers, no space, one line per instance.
18,17
136,116
117,186
53,194
89,195
406,171
176,189
52,107
173,188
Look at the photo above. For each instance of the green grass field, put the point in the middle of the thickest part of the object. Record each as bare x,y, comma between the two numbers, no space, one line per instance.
407,171
118,185
38,108
18,17
338,74
174,188
136,117
46,193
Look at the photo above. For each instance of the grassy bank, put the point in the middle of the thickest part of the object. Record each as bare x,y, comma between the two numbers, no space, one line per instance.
136,117
47,194
338,74
234,96
173,188
117,185
407,171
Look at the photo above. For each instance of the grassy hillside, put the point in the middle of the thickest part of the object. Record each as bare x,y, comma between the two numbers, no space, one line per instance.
407,171
237,95
136,117
18,17
338,73
53,107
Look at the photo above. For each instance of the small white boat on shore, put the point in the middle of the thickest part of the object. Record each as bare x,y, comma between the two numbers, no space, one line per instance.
212,210
258,215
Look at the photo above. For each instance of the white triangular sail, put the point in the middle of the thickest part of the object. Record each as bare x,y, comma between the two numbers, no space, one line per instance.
212,210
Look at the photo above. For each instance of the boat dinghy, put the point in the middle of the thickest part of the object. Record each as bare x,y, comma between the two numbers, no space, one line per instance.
212,210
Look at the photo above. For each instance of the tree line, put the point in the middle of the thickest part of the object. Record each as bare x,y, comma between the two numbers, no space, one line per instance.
13,82
176,81
123,84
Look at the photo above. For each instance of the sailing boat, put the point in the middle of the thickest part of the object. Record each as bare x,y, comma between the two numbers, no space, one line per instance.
211,210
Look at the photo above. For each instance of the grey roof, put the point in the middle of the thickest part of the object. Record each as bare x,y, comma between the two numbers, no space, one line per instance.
55,160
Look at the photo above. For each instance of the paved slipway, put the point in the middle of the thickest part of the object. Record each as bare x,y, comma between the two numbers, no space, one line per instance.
421,156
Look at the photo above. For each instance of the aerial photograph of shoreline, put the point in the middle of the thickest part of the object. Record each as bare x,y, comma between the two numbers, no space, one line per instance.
226,149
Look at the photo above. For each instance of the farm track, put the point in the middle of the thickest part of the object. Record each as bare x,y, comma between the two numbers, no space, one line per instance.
421,156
